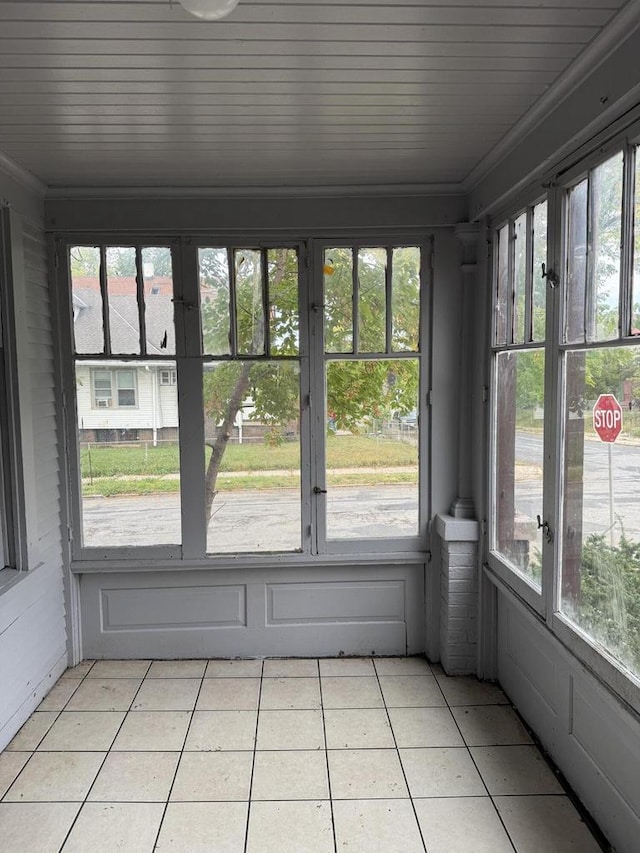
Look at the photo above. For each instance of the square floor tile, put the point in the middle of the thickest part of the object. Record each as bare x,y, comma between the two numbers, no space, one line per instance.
33,731
290,776
203,828
104,694
366,774
363,826
167,694
135,777
290,668
515,770
35,827
86,731
59,695
545,823
105,827
347,666
229,694
177,669
463,825
11,763
358,728
292,827
351,692
145,731
213,776
290,730
234,669
441,772
411,691
285,694
215,731
56,776
414,727
119,669
78,671
402,666
490,725
460,690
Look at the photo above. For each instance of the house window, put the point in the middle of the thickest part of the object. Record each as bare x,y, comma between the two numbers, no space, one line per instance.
114,388
301,385
518,385
566,412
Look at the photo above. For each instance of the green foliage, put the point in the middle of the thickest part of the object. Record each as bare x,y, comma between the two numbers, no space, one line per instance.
609,602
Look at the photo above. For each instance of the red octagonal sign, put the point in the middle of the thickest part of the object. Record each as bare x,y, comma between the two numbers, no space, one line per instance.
607,417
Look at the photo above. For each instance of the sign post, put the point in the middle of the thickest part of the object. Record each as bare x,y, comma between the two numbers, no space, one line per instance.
607,422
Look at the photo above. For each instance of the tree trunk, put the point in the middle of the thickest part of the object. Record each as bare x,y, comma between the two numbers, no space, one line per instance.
223,434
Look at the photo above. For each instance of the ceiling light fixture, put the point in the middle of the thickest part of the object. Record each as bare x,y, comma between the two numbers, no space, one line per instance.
209,10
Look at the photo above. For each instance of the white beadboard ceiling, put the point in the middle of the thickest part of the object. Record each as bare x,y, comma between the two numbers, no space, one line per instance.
295,93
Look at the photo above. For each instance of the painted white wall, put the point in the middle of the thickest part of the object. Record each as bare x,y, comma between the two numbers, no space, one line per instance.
33,640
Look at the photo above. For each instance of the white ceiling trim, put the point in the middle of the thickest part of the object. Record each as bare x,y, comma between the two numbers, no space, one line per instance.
621,26
359,190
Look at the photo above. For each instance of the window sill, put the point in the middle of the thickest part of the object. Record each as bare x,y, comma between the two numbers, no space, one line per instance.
248,561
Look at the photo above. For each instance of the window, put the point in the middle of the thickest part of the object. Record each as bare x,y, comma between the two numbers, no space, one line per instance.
287,391
566,412
518,387
114,388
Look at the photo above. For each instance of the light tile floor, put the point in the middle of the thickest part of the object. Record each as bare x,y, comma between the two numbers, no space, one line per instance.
294,756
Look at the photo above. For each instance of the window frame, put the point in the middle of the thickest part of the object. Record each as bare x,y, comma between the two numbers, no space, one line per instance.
114,388
189,358
523,586
548,605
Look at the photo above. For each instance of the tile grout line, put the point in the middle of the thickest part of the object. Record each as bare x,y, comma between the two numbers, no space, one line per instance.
326,759
106,755
253,760
397,750
175,772
464,740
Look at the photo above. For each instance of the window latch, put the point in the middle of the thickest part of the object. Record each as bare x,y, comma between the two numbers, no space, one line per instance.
318,491
551,277
546,530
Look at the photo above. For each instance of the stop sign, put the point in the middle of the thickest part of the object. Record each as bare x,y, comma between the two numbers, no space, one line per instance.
607,417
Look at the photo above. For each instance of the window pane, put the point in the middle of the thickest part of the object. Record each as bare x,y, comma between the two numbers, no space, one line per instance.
606,189
249,301
635,330
157,274
519,278
215,297
124,322
338,300
88,334
600,589
405,299
502,286
252,456
284,323
372,300
129,455
539,294
372,448
519,459
575,323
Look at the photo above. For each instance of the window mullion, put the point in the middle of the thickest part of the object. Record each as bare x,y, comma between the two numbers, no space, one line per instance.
511,290
308,333
105,301
528,288
389,302
317,410
627,249
141,301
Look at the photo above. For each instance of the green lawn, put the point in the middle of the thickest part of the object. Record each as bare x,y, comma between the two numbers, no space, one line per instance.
113,471
343,452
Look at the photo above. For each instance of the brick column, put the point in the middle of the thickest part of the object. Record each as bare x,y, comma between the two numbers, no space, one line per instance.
458,594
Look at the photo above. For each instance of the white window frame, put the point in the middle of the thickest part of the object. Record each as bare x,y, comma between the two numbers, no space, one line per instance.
168,377
547,605
189,360
114,389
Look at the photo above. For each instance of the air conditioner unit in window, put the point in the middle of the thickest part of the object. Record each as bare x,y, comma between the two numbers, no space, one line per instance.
103,404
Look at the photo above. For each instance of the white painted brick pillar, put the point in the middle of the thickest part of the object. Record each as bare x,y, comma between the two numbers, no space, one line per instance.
458,594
